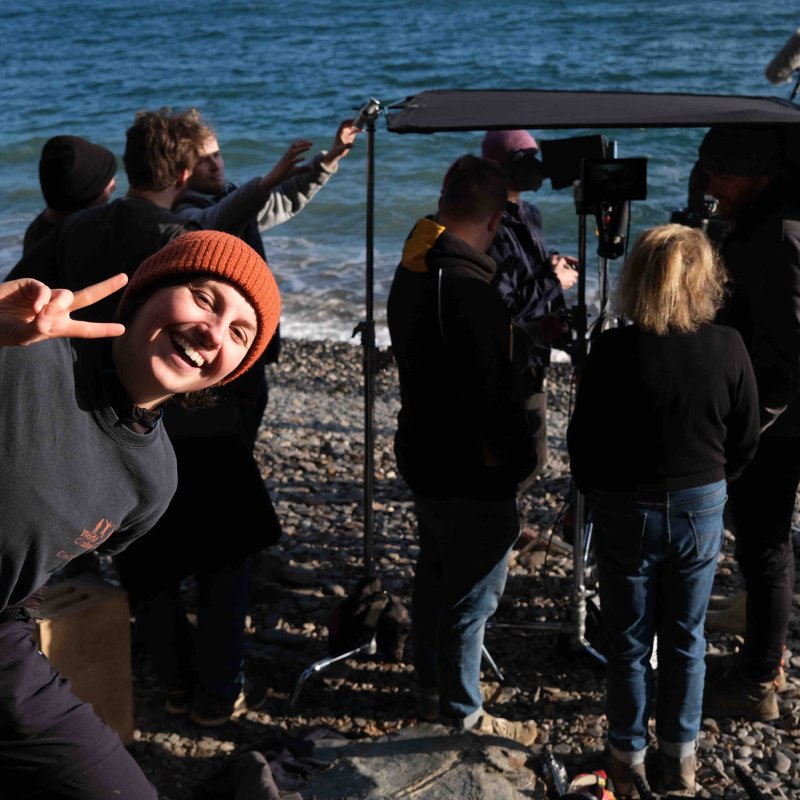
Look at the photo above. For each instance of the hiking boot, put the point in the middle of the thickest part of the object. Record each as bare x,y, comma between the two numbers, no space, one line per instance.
678,776
178,702
522,732
620,774
428,699
736,694
211,715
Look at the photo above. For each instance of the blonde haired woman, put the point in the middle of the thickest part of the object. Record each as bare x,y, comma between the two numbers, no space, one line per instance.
665,413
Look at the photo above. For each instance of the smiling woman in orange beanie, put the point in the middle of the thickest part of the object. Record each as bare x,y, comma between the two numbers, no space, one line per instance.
87,466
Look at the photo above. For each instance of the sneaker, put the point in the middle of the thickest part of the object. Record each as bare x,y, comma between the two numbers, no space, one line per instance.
620,775
678,776
736,694
178,702
522,732
211,715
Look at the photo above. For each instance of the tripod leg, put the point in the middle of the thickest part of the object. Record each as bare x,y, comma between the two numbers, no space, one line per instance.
491,662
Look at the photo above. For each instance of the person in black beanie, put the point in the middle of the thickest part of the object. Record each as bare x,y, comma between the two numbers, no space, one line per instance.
748,175
74,174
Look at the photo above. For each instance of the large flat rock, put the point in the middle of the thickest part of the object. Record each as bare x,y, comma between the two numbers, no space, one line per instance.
426,762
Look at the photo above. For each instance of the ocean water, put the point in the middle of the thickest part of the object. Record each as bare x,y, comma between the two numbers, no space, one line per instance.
267,72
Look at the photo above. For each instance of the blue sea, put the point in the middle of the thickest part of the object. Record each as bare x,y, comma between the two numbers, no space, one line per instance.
265,73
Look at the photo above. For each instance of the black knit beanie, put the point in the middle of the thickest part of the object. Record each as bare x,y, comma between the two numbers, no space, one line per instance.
733,150
73,172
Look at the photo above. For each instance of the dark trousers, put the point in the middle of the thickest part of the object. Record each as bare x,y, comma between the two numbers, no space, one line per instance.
206,660
761,505
536,413
52,745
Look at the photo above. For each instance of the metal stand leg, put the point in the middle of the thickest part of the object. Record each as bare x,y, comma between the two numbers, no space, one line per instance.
577,625
370,648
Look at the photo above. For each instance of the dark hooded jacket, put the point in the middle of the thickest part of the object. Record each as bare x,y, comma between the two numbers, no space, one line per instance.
461,428
762,255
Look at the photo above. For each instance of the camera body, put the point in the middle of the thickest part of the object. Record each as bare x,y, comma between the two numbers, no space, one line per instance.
695,217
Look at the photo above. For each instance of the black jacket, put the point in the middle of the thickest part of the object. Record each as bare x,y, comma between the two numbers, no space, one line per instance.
663,412
762,254
97,243
461,429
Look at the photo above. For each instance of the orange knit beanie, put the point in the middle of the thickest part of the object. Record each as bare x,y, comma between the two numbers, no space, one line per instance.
213,254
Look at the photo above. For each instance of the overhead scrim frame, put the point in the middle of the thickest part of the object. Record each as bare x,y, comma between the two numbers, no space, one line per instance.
501,109
443,110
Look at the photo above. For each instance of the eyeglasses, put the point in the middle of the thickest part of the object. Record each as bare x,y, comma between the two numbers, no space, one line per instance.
521,155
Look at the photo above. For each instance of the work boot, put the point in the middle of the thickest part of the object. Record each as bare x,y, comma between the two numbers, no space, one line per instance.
523,732
718,664
678,776
736,694
210,714
620,774
732,619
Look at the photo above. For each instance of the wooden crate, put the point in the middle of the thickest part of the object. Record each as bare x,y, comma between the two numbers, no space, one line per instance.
86,635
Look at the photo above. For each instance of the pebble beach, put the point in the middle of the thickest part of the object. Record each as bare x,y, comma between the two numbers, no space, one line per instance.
311,452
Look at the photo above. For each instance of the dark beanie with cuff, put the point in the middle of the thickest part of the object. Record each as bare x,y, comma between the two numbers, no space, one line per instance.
73,172
733,150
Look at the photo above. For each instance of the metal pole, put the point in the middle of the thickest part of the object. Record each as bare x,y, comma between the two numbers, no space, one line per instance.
368,342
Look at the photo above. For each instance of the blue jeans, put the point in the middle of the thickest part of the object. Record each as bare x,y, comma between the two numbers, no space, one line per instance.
459,579
656,558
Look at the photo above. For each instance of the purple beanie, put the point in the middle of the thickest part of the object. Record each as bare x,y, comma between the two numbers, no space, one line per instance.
499,145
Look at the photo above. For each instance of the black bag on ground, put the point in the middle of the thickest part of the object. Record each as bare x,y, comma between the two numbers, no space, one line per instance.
369,610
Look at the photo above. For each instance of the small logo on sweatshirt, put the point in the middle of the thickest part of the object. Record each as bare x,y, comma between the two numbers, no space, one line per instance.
89,540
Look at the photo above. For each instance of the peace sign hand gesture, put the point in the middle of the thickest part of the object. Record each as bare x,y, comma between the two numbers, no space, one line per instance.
31,312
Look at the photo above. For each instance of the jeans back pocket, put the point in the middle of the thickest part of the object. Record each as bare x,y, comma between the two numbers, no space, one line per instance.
708,529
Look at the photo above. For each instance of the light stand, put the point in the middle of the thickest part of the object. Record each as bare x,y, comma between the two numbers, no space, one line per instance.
367,116
366,328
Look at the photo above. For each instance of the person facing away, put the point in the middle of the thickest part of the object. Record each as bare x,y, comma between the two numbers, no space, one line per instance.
202,667
160,152
462,441
666,412
750,177
74,174
530,277
87,466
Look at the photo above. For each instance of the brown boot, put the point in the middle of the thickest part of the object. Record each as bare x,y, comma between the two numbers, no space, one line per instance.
621,776
736,694
678,776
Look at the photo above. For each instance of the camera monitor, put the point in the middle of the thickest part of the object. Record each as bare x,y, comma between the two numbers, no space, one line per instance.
610,180
562,158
